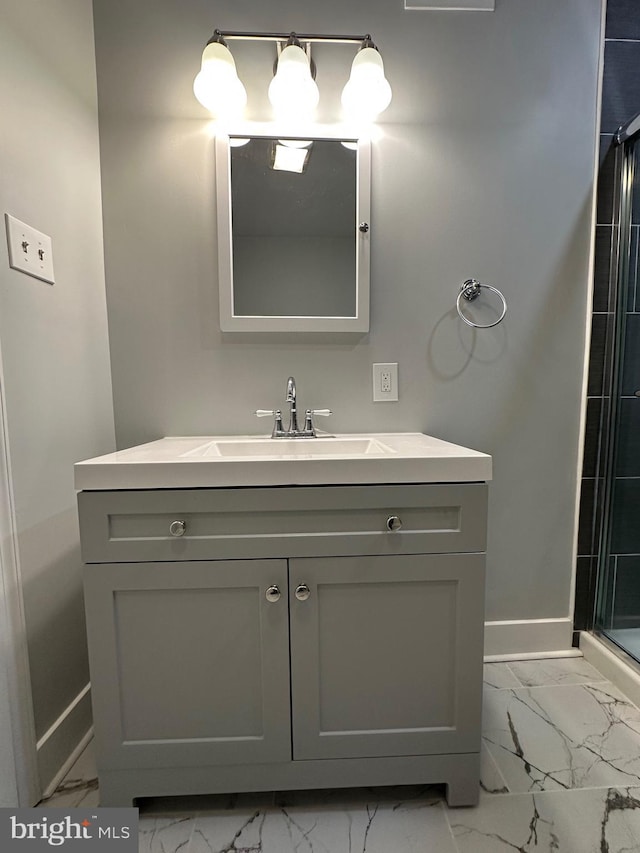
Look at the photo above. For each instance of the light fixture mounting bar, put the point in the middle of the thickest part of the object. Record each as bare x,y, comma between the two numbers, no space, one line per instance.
305,37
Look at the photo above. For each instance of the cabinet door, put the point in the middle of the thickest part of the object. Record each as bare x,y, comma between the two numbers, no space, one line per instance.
386,655
189,663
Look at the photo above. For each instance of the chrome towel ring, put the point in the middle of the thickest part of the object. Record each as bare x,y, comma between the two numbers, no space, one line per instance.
470,290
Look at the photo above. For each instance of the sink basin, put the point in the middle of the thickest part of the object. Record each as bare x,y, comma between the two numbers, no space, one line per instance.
280,448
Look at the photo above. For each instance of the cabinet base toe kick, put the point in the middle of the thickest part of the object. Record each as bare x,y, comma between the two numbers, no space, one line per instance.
460,773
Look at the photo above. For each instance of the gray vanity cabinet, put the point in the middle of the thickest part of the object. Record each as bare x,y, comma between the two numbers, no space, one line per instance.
289,638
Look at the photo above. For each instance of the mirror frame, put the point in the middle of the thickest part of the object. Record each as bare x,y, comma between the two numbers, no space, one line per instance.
230,322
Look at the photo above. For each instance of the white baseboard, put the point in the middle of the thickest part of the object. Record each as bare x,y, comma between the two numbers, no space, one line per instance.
64,740
528,638
66,767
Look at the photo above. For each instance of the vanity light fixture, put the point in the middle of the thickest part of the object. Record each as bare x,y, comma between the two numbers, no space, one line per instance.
293,91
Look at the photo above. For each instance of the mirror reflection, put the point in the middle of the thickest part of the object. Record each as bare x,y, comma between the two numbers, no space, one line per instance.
294,227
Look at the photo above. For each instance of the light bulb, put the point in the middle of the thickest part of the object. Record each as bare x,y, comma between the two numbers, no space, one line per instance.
217,85
293,90
367,92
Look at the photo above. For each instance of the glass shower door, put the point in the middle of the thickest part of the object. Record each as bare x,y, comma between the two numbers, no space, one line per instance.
618,601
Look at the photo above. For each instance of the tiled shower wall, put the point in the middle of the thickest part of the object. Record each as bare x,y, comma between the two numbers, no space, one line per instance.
620,102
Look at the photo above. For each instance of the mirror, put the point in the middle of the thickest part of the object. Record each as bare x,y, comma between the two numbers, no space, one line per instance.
293,233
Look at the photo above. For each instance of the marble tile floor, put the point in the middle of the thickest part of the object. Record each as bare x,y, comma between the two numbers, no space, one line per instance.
560,773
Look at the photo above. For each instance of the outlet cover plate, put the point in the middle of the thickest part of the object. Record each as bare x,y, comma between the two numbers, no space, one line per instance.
385,382
30,251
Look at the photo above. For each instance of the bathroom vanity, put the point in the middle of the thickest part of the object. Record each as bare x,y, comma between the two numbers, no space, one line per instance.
276,616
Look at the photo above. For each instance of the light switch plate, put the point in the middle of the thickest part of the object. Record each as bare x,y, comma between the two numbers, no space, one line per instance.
30,251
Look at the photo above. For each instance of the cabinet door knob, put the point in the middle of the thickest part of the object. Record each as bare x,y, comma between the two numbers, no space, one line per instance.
177,528
394,522
273,593
302,592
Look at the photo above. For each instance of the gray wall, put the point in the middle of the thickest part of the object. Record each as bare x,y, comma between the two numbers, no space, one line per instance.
484,168
53,339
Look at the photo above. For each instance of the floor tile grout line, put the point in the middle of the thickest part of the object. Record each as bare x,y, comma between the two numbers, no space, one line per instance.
550,791
514,675
190,839
538,686
446,810
499,772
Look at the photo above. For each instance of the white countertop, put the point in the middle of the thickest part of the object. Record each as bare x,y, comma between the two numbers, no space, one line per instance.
201,461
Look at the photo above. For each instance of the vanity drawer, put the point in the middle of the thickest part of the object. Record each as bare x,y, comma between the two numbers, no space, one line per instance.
296,521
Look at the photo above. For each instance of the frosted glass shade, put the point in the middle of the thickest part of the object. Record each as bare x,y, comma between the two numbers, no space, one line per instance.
367,92
217,85
293,90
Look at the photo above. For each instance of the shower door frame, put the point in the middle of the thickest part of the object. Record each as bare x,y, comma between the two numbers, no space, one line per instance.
626,140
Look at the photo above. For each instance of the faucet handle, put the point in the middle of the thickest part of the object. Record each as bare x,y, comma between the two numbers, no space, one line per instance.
278,429
308,419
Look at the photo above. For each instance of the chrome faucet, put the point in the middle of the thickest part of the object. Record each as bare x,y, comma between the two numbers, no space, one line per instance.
293,431
293,411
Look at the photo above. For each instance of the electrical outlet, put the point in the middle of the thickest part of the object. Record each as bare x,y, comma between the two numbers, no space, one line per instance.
385,382
30,251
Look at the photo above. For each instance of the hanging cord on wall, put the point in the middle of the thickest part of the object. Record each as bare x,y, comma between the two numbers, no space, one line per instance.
470,290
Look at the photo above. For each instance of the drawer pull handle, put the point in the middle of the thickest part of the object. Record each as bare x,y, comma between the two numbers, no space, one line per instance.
302,592
177,528
273,593
394,522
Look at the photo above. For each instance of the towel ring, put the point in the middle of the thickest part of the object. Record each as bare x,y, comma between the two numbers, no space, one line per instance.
470,290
